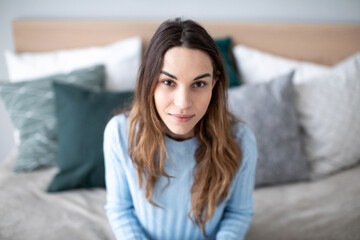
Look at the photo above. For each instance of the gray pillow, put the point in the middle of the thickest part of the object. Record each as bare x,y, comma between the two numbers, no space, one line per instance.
32,112
268,109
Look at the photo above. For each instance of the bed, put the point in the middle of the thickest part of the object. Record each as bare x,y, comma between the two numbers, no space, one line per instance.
324,205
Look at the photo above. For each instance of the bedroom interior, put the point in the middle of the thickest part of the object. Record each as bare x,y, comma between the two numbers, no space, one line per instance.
302,79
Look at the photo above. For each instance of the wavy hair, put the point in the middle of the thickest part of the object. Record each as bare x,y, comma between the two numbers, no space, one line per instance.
218,156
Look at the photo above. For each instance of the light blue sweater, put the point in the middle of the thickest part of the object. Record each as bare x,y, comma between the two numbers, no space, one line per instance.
131,216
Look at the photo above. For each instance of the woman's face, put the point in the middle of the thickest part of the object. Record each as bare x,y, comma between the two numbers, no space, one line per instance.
184,90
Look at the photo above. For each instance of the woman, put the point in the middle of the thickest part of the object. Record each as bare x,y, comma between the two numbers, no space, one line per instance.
179,166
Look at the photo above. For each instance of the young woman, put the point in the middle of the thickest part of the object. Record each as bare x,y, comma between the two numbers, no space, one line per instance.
178,165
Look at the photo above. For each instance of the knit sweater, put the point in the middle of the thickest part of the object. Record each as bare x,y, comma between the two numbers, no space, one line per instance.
131,216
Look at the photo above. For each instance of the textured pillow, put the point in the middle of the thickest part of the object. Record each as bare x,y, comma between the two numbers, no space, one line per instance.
121,59
82,116
224,45
327,105
268,108
31,108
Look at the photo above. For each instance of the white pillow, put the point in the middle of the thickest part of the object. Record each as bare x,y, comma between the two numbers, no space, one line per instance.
257,66
327,102
121,60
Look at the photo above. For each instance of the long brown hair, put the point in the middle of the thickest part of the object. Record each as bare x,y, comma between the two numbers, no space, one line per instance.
218,156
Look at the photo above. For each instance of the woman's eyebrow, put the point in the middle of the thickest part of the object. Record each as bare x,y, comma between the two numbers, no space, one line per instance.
197,78
202,76
168,74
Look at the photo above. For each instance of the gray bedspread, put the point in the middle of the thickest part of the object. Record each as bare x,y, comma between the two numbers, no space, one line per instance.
326,209
28,212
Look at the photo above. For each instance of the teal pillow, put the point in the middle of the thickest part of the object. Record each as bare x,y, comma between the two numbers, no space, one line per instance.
224,45
82,115
32,112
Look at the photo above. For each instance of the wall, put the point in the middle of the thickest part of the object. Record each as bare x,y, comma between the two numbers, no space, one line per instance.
314,11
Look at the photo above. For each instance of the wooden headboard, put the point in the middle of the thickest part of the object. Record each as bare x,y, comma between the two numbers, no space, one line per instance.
320,43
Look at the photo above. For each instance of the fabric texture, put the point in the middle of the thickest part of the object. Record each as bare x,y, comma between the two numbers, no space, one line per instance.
34,214
323,209
328,107
69,214
121,60
225,45
269,109
82,115
133,217
32,112
327,100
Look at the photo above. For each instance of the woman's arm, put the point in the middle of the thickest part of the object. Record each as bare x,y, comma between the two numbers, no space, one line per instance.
238,210
119,206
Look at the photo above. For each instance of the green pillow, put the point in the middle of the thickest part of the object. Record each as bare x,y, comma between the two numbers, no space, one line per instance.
82,115
224,45
32,112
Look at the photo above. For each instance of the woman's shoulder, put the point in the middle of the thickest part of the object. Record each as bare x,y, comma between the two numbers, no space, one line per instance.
246,139
243,132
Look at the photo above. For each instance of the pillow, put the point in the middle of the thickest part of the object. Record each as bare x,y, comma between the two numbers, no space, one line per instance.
121,59
268,109
224,45
82,116
328,109
327,105
257,66
31,108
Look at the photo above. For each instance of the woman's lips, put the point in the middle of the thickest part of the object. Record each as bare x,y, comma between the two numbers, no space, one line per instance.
182,117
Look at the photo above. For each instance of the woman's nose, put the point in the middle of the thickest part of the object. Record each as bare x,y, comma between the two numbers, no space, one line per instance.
183,99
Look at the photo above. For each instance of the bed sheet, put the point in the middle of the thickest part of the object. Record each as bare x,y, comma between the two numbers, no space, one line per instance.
27,211
325,209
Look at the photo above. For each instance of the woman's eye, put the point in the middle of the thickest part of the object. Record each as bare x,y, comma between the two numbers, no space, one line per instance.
199,84
168,82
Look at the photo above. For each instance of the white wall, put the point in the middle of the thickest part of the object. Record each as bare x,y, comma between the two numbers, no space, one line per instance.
328,11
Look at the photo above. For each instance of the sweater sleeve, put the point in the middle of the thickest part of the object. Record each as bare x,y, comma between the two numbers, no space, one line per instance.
119,206
238,211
